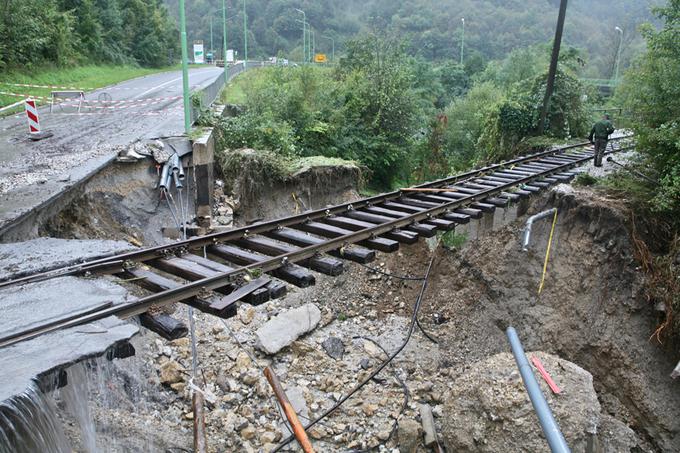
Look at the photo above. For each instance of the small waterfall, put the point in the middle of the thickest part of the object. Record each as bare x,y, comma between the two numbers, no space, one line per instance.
29,424
93,413
75,398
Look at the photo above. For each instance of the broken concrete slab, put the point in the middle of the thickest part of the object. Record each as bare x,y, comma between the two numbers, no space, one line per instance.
42,254
284,329
42,358
29,305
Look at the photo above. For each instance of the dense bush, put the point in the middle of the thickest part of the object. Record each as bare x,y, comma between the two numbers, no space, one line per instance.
500,114
651,90
371,109
64,32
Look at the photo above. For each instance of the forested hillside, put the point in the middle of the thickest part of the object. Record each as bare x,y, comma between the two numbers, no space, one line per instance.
433,27
68,32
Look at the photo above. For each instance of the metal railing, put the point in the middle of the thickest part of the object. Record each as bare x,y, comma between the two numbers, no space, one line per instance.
204,97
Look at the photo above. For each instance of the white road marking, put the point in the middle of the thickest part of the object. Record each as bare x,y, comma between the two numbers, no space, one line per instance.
157,87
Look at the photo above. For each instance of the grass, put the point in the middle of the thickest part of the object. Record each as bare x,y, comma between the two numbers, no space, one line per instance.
454,240
235,91
83,77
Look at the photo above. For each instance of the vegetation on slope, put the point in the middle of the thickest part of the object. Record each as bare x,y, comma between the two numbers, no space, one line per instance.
432,28
35,33
405,119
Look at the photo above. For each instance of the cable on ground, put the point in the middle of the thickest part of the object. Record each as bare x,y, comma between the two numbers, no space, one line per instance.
401,382
408,278
547,253
427,335
387,274
373,374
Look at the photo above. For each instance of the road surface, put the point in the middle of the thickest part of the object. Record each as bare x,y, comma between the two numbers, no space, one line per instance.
32,173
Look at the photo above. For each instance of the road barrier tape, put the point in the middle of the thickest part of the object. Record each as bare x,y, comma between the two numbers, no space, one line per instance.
117,107
93,101
25,96
151,113
108,105
58,87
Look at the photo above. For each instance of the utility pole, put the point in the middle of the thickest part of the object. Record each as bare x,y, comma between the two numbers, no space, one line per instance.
313,45
304,34
185,68
462,41
618,56
224,41
211,35
553,65
245,35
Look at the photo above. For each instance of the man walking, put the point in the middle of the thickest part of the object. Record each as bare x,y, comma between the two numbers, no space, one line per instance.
599,135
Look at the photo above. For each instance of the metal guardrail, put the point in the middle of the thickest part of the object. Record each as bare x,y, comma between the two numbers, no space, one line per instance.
207,95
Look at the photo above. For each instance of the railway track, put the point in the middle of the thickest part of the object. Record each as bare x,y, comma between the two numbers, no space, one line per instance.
213,272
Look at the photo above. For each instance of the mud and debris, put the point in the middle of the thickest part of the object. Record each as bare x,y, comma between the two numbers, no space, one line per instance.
590,327
590,324
257,186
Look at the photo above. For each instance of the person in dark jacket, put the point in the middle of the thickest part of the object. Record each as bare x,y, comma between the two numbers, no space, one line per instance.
599,136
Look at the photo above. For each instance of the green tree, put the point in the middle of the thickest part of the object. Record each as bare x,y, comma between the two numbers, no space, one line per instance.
651,91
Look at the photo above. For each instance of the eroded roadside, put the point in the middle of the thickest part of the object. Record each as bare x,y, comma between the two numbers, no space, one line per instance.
591,325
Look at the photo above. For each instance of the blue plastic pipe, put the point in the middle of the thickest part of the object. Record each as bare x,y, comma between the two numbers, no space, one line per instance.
550,427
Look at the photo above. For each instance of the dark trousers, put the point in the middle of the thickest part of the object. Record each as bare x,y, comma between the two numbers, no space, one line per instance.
600,146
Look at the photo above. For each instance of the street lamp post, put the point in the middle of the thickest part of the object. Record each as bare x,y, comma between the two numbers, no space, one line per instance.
618,56
462,41
313,44
224,41
333,44
304,34
245,35
185,68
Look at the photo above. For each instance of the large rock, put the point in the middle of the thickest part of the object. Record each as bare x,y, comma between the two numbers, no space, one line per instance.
282,330
488,410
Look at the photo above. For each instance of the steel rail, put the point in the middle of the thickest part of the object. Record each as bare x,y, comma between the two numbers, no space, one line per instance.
210,283
238,233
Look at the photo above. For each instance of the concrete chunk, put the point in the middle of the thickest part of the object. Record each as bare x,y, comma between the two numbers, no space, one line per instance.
284,329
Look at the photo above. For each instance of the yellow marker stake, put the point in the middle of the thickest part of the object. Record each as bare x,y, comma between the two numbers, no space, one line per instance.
547,253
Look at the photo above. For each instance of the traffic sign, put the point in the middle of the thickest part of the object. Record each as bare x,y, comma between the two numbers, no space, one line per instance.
320,58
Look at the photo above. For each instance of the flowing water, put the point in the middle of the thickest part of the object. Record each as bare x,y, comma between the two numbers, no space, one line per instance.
93,413
29,423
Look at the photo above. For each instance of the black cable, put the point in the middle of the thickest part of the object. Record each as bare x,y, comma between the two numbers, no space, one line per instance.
400,277
427,335
358,387
404,387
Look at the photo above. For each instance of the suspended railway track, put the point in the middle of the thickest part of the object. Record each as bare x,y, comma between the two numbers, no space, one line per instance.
213,272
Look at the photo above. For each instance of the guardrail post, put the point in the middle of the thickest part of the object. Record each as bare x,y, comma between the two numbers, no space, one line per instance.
203,161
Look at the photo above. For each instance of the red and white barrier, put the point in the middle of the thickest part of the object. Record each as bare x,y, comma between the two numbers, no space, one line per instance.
35,133
32,114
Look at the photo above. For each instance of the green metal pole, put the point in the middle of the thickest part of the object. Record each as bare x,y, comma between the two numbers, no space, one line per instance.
462,42
185,68
618,56
304,34
245,35
224,40
211,35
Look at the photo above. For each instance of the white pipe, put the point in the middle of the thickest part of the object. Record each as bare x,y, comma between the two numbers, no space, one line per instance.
529,224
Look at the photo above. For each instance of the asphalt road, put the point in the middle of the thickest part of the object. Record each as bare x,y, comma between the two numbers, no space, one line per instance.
31,173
